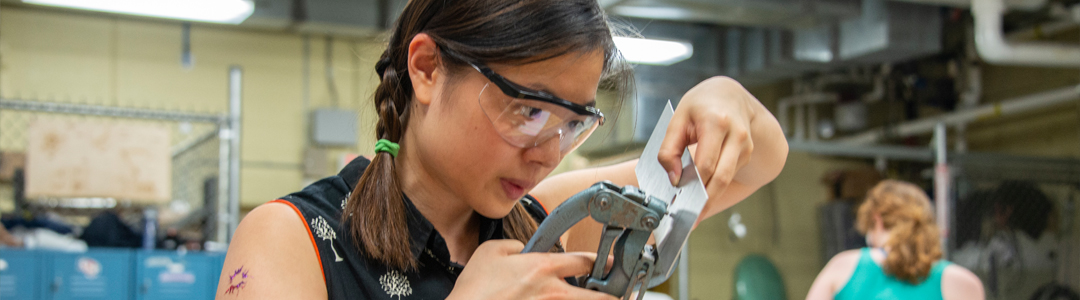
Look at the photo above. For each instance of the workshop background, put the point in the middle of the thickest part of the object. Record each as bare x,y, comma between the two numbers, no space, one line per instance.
205,121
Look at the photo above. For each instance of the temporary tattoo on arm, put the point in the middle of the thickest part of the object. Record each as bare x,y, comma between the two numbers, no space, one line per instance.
236,284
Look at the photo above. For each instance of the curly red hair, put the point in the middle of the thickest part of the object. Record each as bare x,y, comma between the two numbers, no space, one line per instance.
914,244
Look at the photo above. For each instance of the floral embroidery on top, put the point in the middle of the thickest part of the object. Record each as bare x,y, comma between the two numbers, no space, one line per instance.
321,229
395,284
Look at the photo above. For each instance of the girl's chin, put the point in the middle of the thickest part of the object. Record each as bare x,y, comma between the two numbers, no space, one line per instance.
497,211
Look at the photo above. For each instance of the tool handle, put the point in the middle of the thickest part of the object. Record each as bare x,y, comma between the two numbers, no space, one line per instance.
561,219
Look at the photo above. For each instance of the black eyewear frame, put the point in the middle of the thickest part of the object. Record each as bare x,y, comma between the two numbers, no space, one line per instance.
517,91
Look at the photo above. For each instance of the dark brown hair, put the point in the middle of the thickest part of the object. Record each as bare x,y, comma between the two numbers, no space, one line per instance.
914,245
482,31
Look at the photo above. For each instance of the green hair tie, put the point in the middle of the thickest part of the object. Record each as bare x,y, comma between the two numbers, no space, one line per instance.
384,145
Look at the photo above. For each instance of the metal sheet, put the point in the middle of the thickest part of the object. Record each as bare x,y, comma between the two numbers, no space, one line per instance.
685,201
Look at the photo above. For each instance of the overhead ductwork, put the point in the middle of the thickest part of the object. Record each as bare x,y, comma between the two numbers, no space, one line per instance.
334,17
993,48
1018,4
346,17
882,31
770,13
270,14
889,31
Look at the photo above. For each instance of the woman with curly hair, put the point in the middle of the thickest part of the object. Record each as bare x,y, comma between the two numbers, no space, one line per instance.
903,258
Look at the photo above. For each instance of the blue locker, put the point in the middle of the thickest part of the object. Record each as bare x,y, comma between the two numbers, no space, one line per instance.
215,271
95,274
20,274
166,275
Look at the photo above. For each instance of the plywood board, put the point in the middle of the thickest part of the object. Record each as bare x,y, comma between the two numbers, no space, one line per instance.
9,162
67,158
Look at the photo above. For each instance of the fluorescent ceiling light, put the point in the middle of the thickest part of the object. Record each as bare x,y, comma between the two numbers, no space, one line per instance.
653,52
215,11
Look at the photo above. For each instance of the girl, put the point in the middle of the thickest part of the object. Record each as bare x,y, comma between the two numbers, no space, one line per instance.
903,260
479,101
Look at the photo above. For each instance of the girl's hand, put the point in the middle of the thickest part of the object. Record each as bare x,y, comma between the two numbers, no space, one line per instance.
726,123
498,270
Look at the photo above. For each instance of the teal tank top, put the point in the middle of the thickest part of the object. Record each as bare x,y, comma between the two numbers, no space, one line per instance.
870,282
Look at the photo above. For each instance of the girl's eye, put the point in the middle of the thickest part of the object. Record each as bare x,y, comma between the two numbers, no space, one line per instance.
575,125
530,112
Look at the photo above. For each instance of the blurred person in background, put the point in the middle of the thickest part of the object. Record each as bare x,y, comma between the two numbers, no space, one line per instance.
1015,251
903,260
8,240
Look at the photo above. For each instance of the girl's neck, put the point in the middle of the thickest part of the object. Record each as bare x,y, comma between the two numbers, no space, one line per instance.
452,217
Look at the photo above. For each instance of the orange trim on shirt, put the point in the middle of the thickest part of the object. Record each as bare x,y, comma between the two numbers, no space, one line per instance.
542,206
312,237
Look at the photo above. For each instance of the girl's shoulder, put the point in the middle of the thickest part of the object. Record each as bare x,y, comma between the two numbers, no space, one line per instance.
264,251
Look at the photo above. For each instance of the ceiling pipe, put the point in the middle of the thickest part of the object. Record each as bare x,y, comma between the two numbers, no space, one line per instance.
1041,31
987,111
993,48
1018,4
799,101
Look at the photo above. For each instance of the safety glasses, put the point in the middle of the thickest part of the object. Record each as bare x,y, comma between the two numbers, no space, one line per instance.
527,118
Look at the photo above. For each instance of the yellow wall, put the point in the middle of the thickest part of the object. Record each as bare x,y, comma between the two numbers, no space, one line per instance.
1053,132
68,57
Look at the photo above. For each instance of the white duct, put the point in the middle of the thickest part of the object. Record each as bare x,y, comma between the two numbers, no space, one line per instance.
1003,108
993,48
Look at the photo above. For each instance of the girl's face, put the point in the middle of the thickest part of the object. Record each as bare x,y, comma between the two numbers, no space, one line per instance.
462,153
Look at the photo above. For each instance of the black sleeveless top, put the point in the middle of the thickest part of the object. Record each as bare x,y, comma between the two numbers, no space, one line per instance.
349,274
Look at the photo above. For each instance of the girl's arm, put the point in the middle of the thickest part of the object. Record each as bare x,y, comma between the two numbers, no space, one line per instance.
738,148
271,257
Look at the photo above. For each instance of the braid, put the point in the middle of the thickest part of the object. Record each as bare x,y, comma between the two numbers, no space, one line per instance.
392,99
376,208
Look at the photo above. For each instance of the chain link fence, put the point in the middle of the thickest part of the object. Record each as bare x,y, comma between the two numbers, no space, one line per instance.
197,156
1015,224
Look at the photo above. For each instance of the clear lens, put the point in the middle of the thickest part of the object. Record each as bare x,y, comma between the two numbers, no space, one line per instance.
528,123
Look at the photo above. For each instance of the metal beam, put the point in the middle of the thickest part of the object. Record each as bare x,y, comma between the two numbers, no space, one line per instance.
845,150
108,111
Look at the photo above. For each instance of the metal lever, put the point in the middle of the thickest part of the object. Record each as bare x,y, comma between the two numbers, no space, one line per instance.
630,216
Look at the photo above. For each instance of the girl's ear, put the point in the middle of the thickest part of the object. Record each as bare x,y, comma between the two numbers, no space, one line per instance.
424,67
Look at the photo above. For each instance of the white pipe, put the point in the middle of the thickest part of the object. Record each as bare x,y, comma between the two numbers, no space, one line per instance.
941,185
987,111
782,117
799,101
1041,30
878,92
1019,4
235,99
972,94
800,122
993,48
